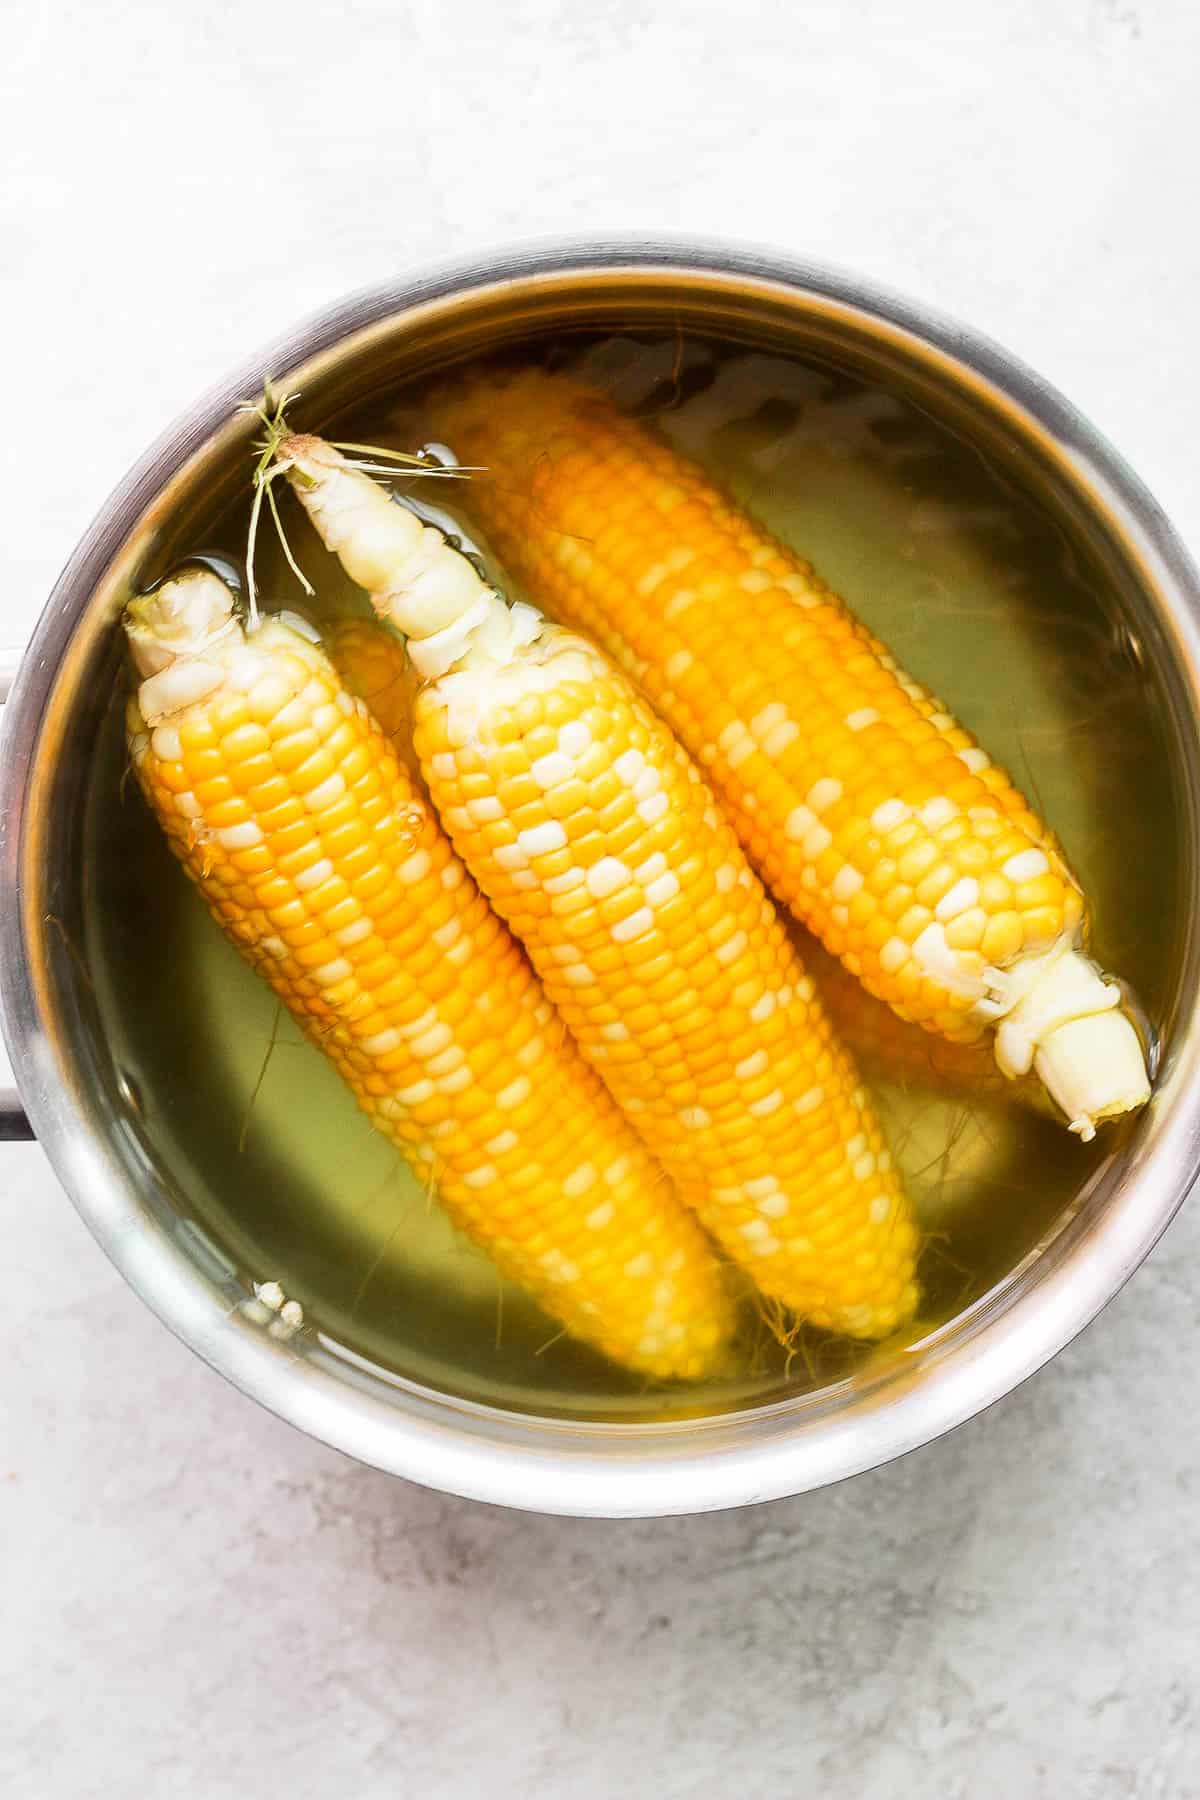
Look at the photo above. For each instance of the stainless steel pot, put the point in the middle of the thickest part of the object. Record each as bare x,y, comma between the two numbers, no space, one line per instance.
552,1464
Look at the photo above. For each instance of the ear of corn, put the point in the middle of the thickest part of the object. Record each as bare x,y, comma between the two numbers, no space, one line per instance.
888,1048
316,855
596,838
372,664
867,808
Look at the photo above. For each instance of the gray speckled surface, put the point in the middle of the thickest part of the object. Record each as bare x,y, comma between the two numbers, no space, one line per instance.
197,1601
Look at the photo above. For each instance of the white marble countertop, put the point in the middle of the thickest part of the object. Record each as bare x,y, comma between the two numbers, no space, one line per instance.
197,1601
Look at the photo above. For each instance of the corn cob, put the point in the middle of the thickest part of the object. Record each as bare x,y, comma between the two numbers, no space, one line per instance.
594,835
889,1048
315,854
372,664
867,808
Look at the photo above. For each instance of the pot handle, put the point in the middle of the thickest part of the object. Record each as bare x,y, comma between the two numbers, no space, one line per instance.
14,1126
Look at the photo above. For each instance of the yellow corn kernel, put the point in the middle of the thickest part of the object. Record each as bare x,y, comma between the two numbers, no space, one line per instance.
837,770
441,1048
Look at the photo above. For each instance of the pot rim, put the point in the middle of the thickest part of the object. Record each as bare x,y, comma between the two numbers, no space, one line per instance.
484,1453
